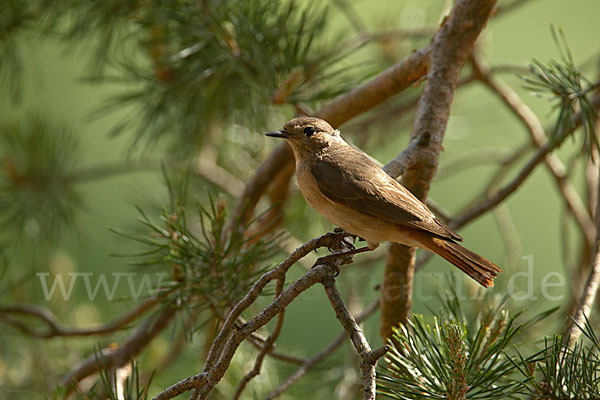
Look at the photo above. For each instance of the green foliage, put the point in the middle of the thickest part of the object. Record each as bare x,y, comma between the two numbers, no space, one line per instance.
562,372
72,21
112,386
568,87
229,63
189,67
453,358
209,266
37,197
465,355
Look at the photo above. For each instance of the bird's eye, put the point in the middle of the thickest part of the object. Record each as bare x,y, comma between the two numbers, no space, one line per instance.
309,131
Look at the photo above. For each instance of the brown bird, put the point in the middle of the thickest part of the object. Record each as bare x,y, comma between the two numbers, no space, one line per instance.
351,191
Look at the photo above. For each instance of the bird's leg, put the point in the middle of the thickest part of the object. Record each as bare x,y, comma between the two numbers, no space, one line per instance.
346,239
330,257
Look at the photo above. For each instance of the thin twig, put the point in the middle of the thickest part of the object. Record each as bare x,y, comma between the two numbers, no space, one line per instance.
500,195
258,342
363,349
205,381
508,233
538,136
115,358
55,328
589,293
231,334
220,341
267,346
322,355
482,157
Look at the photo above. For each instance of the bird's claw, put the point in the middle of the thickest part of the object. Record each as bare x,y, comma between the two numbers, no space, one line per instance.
346,239
329,261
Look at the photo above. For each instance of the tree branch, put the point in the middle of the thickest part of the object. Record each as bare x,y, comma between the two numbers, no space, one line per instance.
589,293
267,346
322,355
115,358
500,195
55,328
538,137
328,240
232,334
363,349
451,48
205,381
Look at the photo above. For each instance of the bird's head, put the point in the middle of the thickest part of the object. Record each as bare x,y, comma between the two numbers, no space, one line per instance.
307,135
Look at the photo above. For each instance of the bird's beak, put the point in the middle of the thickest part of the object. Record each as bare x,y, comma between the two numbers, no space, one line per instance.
278,134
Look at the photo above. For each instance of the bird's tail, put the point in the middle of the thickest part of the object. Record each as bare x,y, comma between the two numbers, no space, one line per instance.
479,268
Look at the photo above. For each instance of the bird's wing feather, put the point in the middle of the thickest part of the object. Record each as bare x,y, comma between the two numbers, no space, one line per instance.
365,187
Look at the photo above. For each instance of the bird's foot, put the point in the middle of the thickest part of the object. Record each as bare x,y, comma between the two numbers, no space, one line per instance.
346,239
329,260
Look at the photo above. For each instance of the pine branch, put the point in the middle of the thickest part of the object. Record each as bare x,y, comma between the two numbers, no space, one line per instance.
55,328
115,358
589,292
322,355
450,49
363,349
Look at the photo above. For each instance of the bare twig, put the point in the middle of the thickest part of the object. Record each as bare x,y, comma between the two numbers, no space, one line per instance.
451,48
500,195
206,380
508,233
363,349
538,136
55,328
322,355
258,343
589,293
482,157
116,358
231,334
328,240
209,170
267,346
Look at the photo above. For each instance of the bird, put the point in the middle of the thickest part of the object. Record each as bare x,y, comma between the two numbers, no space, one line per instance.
345,186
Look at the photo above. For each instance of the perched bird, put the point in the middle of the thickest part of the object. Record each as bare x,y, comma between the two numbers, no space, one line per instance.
352,192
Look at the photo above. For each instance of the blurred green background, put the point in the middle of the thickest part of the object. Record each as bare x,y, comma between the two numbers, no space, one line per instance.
54,86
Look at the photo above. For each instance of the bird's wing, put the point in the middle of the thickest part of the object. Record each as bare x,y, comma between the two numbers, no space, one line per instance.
364,187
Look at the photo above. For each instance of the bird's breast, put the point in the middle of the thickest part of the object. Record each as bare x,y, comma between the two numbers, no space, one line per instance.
370,228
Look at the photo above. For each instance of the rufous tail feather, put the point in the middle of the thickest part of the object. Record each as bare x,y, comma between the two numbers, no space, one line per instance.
479,268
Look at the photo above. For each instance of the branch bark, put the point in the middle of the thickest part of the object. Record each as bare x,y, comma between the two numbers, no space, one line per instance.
55,328
539,139
451,48
320,356
116,358
205,381
363,349
589,293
